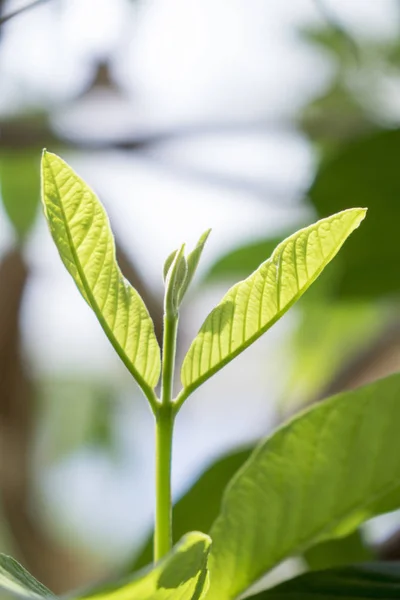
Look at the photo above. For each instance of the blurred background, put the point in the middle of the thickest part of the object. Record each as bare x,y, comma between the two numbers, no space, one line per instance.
253,118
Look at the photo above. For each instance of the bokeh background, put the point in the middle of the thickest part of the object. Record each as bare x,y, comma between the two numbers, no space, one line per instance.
253,118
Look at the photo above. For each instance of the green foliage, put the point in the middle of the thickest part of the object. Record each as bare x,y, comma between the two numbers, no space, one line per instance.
182,575
361,582
365,170
309,482
82,234
20,189
252,306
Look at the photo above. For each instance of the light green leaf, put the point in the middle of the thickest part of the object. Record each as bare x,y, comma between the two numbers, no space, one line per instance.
193,260
192,512
17,581
20,189
359,582
174,280
82,234
252,306
317,478
168,262
182,575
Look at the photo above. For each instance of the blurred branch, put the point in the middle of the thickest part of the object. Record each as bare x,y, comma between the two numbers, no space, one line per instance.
35,132
53,565
21,10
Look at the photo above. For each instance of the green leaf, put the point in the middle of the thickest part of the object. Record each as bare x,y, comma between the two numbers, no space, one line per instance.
252,306
168,262
365,170
193,260
20,189
174,280
192,512
82,234
182,575
16,580
360,582
317,478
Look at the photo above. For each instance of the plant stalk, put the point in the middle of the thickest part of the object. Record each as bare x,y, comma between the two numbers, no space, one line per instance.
163,522
164,435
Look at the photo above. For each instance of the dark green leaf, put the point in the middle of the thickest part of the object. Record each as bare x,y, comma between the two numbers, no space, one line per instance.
366,170
361,582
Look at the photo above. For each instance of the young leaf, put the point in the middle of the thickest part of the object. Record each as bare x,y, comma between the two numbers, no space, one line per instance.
193,260
174,280
317,478
182,575
252,306
359,582
168,262
82,234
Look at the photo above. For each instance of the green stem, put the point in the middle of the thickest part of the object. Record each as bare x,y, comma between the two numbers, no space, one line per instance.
163,523
164,434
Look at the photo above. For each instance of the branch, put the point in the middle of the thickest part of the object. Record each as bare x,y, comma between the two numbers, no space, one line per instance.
21,10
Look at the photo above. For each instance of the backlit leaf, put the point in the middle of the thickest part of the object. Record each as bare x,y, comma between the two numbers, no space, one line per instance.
82,234
252,306
317,478
182,575
193,260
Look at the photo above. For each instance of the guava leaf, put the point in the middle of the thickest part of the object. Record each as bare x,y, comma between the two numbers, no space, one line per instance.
193,260
252,306
174,280
317,478
359,582
182,575
82,234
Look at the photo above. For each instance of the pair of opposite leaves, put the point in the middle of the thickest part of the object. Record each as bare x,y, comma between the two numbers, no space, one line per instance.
82,234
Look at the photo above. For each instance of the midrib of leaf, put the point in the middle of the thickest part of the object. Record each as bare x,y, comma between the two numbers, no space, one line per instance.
149,392
186,391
